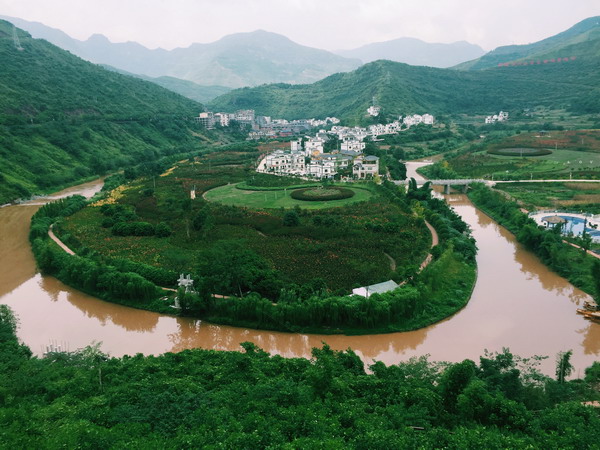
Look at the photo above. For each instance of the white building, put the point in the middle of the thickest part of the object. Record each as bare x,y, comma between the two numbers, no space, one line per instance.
365,167
206,120
313,146
379,288
296,146
500,117
284,162
428,119
374,111
223,118
244,115
321,168
350,143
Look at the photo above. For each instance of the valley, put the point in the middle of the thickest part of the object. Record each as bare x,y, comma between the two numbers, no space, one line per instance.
252,278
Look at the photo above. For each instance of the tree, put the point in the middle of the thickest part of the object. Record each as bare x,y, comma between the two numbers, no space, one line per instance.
230,268
596,277
291,219
563,365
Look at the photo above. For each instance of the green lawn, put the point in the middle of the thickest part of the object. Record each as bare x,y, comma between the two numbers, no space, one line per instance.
230,195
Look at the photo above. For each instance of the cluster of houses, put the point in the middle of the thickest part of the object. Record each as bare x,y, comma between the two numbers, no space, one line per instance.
262,126
500,117
308,159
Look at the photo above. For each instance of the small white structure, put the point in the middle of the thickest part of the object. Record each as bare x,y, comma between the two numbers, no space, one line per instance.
374,111
186,282
428,119
378,288
500,117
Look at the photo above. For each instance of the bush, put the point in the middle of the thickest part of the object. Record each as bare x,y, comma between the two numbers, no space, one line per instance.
519,151
322,194
133,229
163,230
291,219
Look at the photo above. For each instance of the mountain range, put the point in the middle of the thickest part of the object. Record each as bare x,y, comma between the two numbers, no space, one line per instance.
416,52
244,59
564,75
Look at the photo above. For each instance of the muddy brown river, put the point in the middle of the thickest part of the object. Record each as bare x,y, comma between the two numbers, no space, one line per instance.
517,303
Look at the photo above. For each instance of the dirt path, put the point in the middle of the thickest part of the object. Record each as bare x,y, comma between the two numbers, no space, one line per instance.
60,243
392,262
589,252
434,241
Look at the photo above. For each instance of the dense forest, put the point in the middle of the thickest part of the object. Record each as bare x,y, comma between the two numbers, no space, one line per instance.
63,119
205,398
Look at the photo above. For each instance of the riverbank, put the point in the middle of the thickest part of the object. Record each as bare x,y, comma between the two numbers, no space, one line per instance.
522,293
570,262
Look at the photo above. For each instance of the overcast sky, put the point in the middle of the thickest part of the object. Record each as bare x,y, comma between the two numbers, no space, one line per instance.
327,24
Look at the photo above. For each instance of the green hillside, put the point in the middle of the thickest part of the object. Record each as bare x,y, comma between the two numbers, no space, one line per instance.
63,119
403,89
581,40
189,89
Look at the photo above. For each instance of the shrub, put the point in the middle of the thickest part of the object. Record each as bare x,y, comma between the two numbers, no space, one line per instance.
322,194
163,230
291,219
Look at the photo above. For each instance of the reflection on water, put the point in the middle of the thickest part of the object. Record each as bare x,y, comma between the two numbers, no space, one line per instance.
516,303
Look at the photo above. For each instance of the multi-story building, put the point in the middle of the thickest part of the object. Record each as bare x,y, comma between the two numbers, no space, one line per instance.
284,162
365,167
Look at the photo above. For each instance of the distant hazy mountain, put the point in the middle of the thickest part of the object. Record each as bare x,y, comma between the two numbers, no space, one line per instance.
581,39
416,52
237,60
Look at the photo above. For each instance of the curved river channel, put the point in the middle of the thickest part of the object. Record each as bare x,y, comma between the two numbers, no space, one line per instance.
517,303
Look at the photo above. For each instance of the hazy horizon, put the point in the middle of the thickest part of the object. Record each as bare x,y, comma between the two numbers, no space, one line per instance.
332,25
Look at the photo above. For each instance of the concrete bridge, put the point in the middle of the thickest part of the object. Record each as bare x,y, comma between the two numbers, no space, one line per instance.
464,182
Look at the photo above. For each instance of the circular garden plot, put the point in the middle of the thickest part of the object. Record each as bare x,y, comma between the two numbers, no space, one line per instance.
520,151
320,194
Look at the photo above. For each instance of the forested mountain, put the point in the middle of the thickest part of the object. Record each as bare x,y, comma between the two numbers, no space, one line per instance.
581,40
416,52
403,89
189,89
63,119
236,60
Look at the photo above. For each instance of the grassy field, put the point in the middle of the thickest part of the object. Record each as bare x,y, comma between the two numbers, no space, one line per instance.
574,154
230,195
576,196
